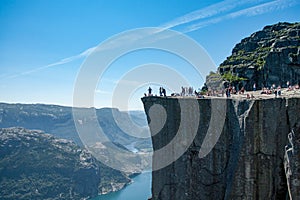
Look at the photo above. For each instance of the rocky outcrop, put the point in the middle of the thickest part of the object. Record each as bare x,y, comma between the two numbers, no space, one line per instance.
248,160
269,56
35,165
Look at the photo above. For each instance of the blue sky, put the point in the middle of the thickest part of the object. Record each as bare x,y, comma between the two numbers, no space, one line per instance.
44,43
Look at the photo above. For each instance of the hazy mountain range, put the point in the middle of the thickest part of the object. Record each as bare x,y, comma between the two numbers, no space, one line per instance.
42,156
58,121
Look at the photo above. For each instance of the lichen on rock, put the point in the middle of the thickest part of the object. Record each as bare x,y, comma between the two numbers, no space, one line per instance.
269,56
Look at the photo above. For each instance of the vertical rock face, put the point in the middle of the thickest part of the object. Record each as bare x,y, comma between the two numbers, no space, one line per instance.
248,160
292,154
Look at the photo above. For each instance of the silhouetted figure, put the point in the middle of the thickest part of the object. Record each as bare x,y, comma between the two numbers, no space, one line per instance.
160,91
204,88
242,91
190,91
149,91
164,92
182,91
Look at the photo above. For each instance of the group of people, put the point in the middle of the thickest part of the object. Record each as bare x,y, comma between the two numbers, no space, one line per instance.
186,91
272,90
232,90
162,92
228,91
277,90
295,87
198,95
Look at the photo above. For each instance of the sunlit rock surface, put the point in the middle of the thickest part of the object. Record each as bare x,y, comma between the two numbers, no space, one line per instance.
248,160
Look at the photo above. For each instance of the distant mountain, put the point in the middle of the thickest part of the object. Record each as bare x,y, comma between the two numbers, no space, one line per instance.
116,125
35,165
58,120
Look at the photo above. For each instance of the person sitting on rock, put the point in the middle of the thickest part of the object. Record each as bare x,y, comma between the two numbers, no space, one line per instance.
263,91
242,91
269,91
196,93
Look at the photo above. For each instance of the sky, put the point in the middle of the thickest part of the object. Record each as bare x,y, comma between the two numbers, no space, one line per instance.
45,45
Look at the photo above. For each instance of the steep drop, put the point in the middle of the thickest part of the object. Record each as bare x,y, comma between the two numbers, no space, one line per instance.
247,161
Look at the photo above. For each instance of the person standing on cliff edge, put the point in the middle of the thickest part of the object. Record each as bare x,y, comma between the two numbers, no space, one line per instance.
160,91
149,91
164,92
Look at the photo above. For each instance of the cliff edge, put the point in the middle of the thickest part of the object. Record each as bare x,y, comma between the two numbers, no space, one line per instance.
256,155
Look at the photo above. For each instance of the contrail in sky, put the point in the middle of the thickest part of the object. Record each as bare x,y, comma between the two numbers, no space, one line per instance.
209,11
62,61
224,10
251,11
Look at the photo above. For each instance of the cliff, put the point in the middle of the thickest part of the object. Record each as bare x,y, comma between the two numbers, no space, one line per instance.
266,57
35,165
256,155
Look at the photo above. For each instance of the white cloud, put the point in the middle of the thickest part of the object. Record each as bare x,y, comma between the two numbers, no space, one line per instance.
61,62
203,17
210,11
202,13
264,8
251,11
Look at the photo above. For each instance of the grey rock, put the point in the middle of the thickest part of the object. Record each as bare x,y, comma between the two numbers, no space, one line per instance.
247,161
292,153
269,56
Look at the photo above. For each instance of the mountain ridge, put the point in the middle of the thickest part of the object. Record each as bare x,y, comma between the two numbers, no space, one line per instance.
36,165
58,120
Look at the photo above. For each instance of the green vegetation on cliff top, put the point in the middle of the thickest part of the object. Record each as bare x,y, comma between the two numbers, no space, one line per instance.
268,56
